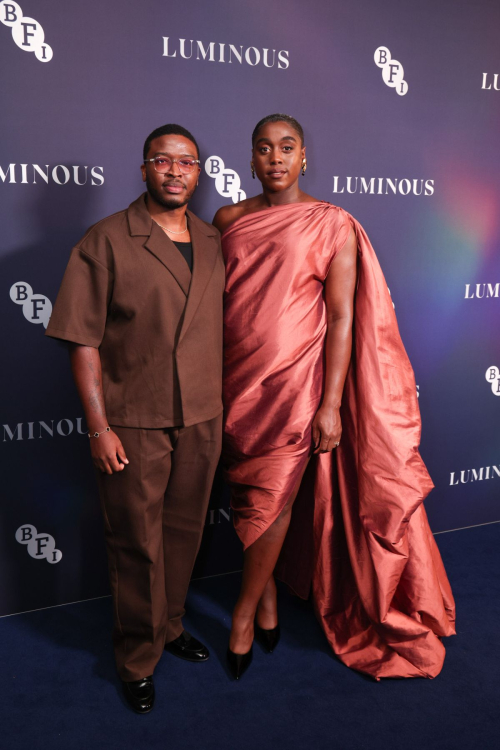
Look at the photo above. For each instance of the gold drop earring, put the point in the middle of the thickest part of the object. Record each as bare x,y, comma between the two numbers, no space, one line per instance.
253,170
304,165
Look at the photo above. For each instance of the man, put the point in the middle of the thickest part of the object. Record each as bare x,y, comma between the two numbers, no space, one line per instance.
141,304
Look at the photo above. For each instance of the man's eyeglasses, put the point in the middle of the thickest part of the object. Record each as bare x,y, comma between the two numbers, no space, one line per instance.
163,164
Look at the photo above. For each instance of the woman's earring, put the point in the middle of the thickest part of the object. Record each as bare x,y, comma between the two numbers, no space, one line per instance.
304,166
253,170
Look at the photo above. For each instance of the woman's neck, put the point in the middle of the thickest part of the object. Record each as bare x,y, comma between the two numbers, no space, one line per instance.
291,194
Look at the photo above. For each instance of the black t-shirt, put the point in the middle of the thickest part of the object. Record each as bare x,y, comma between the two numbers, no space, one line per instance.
186,248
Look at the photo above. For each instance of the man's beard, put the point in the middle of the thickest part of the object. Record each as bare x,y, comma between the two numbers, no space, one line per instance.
170,202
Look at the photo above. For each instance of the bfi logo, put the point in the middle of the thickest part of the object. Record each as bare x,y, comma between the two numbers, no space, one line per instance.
493,378
392,70
40,546
227,181
36,307
27,33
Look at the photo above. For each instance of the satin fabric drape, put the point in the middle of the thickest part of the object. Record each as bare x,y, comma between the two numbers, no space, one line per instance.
359,535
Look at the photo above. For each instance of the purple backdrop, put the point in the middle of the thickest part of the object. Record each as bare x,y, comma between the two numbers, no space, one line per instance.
404,137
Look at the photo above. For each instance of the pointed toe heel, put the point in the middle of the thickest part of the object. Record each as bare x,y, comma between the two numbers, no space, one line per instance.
238,663
268,638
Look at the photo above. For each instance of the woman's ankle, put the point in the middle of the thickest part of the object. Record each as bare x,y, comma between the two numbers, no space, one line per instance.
267,614
242,634
244,612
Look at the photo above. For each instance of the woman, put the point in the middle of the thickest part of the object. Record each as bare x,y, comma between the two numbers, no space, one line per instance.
301,276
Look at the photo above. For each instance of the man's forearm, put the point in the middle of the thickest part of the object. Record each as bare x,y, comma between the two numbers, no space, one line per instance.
87,373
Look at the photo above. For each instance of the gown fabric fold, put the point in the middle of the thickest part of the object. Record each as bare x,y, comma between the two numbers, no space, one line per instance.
359,537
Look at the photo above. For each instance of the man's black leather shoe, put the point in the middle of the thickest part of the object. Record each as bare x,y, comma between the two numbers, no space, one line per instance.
140,694
187,647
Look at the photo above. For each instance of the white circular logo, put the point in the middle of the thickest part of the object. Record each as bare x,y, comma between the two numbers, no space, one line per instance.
493,377
44,53
393,73
28,34
227,183
38,310
214,166
381,56
10,13
25,533
55,557
20,292
41,545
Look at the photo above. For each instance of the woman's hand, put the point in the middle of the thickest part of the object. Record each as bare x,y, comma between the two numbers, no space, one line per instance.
108,453
326,429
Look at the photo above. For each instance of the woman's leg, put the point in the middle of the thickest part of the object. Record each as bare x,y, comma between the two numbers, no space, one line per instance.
267,608
258,589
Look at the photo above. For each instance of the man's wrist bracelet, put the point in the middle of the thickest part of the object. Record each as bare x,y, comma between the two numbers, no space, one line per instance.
96,434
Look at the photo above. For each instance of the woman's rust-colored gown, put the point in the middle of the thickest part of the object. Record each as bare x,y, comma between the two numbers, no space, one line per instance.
359,536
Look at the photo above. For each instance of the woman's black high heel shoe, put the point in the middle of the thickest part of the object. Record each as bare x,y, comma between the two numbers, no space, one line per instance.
239,663
268,638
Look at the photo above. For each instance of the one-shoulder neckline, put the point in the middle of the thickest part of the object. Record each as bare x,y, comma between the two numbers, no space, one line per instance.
275,208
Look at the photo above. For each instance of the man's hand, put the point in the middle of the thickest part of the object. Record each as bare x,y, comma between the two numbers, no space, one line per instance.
326,429
108,453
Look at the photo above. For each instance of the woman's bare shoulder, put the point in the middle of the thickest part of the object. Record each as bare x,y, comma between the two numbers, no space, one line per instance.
226,215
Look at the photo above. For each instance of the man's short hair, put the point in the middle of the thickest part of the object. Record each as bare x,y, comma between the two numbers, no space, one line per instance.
170,129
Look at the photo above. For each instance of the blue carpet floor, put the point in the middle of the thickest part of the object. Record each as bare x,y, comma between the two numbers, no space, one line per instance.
60,690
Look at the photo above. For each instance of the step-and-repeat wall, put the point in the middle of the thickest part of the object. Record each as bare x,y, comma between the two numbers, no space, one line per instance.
400,103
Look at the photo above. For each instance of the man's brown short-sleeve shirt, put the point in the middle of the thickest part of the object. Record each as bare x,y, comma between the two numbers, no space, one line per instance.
128,291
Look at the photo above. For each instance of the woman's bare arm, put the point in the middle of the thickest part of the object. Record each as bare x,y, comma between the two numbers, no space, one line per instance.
339,296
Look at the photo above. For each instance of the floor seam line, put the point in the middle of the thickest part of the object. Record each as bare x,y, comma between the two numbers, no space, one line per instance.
216,575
